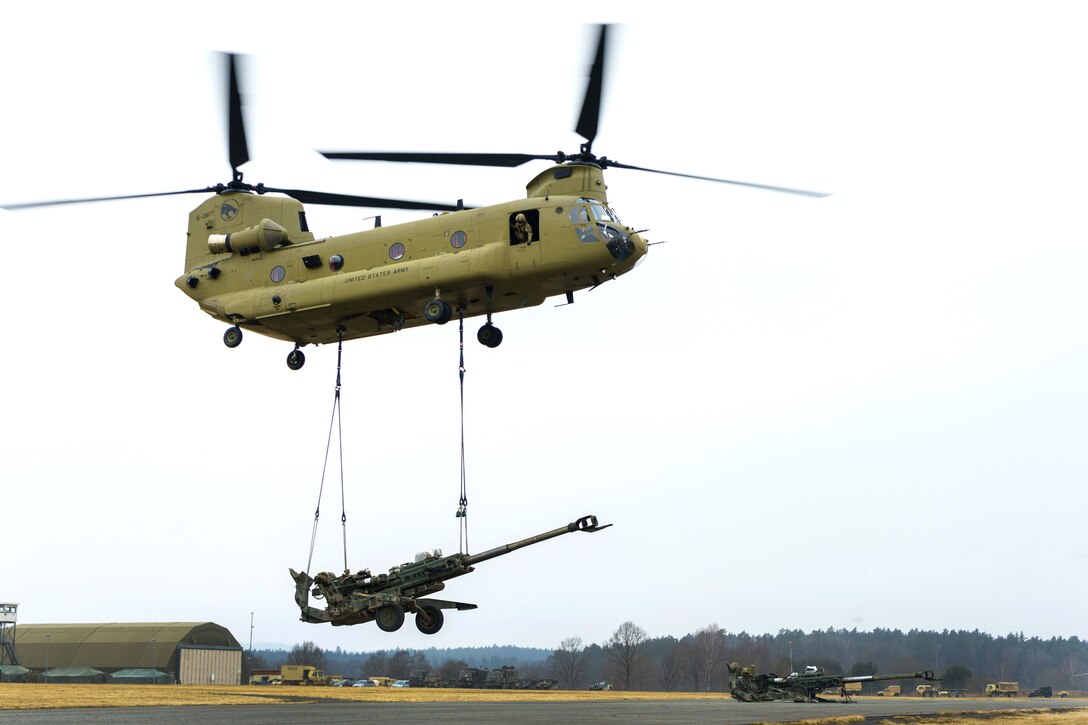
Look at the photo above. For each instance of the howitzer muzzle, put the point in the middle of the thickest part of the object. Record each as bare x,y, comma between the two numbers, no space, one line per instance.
586,523
589,523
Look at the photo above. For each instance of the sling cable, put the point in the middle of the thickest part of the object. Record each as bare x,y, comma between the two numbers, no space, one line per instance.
335,420
462,507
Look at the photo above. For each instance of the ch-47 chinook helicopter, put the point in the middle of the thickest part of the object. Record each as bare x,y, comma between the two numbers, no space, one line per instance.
252,262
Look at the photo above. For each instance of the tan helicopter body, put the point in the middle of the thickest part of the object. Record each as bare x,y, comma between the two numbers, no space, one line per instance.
252,262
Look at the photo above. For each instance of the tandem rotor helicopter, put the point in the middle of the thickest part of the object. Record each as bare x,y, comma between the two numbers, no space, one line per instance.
252,262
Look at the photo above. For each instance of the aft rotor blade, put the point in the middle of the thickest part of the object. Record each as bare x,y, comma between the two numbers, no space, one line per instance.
765,187
302,195
238,149
324,197
424,157
591,106
59,202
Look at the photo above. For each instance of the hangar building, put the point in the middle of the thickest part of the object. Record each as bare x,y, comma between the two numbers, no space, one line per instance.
187,653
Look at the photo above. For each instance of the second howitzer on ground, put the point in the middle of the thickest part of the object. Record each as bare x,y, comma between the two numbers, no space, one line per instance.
362,597
748,686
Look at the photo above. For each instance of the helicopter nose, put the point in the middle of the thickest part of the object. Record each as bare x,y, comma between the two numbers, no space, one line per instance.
625,245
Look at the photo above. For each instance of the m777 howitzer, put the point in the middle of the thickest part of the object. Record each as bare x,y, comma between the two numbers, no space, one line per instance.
748,686
362,597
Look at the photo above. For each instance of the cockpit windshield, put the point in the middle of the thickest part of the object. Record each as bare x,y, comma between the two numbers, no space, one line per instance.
600,212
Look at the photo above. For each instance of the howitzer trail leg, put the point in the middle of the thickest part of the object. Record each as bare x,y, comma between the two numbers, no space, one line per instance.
302,598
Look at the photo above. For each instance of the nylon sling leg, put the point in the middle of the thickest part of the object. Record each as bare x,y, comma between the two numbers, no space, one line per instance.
462,508
328,446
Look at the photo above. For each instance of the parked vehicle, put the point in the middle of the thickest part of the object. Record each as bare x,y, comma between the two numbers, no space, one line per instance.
1003,689
302,675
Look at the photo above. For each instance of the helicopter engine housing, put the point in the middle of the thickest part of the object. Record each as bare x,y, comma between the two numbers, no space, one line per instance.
264,236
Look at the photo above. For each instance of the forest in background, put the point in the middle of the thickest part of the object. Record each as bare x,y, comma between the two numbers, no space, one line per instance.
631,660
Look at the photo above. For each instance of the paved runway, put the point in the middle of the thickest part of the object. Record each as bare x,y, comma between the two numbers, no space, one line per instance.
663,712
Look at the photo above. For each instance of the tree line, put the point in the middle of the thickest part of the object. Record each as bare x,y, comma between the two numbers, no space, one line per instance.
631,660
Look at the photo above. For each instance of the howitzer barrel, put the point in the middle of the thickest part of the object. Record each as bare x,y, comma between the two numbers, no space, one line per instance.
586,523
924,675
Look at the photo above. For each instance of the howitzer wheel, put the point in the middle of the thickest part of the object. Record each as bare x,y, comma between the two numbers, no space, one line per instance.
390,617
429,619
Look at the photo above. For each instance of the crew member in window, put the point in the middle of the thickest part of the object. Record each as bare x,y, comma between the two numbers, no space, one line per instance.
523,232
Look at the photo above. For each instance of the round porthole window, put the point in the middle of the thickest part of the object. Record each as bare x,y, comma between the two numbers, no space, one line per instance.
396,251
458,240
336,262
278,273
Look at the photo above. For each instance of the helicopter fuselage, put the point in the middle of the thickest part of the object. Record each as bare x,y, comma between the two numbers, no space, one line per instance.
252,262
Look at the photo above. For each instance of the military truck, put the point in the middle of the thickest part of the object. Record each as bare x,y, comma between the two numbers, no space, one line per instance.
423,678
502,678
1045,691
302,675
473,677
891,691
1003,689
937,691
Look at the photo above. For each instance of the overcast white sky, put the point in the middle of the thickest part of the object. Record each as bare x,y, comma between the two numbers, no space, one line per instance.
864,411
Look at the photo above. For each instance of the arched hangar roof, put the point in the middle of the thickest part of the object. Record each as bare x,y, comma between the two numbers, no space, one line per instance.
114,646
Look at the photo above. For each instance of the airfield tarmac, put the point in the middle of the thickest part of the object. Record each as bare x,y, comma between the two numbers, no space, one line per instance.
672,711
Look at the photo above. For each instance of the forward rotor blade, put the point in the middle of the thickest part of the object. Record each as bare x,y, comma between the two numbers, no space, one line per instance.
765,187
423,157
324,197
59,202
238,149
591,106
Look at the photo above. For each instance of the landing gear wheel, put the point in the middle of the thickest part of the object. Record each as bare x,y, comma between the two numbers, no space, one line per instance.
390,617
429,619
489,336
232,337
295,359
438,312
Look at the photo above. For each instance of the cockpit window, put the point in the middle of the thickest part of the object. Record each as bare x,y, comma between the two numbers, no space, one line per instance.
599,211
583,225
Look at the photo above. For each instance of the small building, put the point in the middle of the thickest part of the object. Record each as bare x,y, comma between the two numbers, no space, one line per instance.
264,676
187,653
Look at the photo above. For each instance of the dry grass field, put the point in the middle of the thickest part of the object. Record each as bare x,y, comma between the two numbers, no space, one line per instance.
1002,717
990,717
19,696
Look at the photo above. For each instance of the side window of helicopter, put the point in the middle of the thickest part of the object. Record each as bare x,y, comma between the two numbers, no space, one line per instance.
525,227
583,225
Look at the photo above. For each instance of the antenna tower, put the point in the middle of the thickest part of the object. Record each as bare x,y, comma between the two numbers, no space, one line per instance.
7,634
